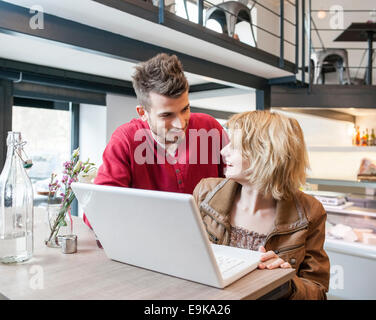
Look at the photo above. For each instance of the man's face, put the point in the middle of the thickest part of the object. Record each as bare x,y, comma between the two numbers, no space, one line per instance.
168,117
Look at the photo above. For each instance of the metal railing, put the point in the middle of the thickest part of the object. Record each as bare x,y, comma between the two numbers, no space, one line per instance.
206,4
312,27
305,31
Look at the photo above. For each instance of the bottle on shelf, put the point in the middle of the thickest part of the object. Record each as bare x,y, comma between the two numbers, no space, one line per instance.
367,136
353,136
373,138
357,136
363,139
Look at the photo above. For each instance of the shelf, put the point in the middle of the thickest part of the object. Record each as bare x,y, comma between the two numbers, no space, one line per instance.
341,149
350,248
343,183
356,211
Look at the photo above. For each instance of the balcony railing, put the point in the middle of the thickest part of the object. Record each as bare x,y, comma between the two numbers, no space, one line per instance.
202,6
337,20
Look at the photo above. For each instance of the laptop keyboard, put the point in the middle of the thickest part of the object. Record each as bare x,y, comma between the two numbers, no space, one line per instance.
226,264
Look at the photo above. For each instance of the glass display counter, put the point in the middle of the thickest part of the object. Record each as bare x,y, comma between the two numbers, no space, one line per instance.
351,246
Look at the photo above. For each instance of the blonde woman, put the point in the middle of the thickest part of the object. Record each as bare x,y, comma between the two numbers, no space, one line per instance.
258,205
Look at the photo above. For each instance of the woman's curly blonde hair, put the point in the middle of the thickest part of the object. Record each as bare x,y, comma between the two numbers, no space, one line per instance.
275,148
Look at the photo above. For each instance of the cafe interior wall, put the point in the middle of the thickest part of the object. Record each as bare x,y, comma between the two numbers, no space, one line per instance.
92,132
329,144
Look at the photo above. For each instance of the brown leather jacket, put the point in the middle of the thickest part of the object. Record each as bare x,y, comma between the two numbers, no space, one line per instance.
297,237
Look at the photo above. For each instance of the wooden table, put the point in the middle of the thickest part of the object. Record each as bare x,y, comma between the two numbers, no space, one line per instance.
89,274
361,32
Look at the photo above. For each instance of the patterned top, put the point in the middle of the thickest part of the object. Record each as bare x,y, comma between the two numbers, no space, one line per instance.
245,239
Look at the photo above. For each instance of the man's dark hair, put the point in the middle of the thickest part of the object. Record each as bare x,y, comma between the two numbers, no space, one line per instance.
162,74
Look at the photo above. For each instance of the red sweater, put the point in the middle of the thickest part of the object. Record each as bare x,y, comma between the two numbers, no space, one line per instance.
133,158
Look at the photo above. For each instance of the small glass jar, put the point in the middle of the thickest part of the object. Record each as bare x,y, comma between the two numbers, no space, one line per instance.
55,231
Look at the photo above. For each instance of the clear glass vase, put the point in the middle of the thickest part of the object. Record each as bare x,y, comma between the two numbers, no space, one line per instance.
55,229
16,205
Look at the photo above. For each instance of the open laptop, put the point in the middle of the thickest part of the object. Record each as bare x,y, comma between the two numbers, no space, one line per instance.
161,231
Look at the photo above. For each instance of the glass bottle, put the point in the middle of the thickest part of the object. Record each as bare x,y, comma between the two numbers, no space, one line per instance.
357,137
16,205
367,138
373,138
364,139
353,136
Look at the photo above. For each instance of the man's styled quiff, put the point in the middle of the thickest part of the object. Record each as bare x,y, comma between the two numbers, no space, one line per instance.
162,74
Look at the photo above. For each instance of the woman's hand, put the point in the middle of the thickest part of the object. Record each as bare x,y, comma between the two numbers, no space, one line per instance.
270,260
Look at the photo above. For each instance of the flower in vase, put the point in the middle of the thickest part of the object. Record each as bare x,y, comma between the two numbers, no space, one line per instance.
73,170
87,176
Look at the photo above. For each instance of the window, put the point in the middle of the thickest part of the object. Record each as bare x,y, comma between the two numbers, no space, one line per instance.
48,136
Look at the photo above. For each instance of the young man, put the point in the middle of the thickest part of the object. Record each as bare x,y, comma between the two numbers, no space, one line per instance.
167,148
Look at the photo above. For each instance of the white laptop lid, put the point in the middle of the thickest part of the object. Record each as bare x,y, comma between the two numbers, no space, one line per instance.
160,231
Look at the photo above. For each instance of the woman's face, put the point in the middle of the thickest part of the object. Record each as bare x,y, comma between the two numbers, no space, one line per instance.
235,164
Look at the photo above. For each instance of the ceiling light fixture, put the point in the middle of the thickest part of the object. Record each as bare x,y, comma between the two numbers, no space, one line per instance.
321,14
